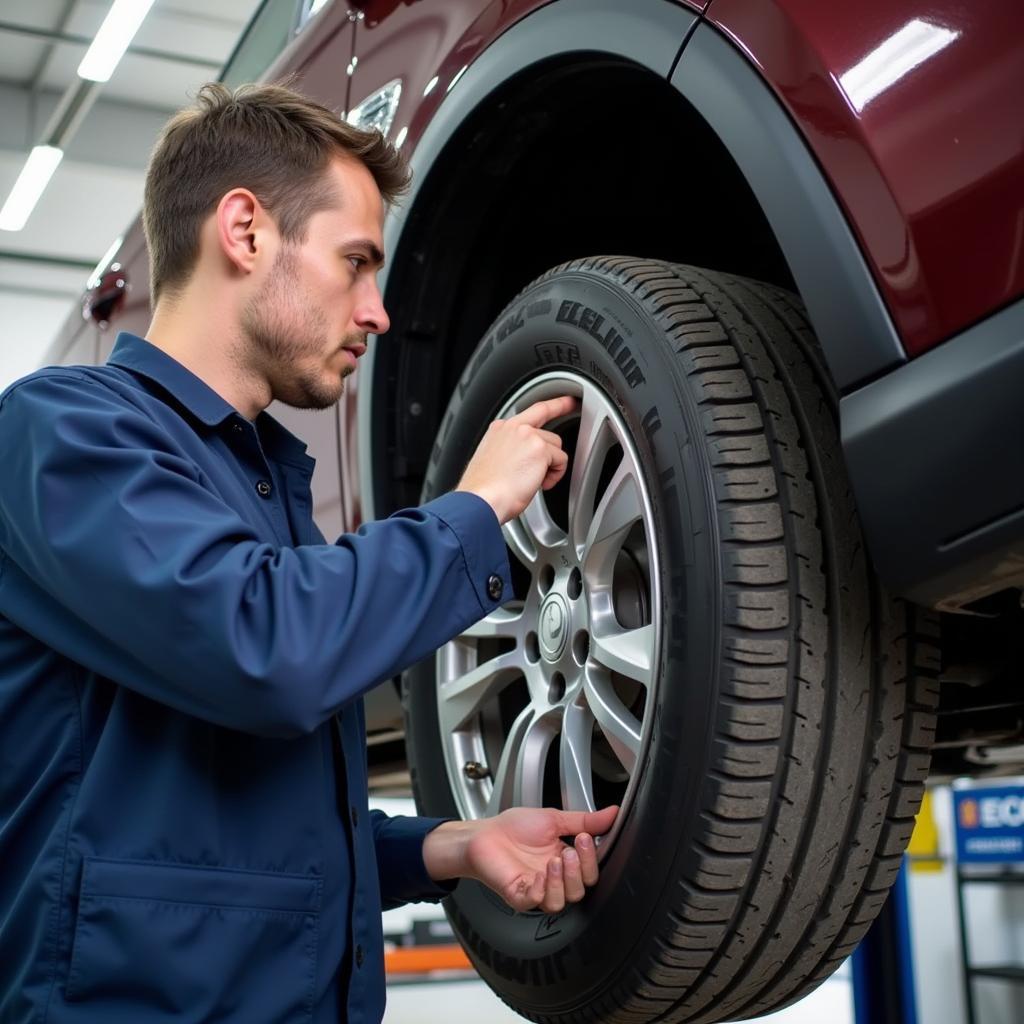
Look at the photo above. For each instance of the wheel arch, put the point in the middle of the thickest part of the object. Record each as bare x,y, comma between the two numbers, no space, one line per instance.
829,270
516,173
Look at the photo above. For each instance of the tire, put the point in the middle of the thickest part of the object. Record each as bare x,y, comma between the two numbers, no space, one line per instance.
776,754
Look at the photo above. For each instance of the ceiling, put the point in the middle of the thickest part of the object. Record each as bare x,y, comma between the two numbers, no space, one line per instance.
97,190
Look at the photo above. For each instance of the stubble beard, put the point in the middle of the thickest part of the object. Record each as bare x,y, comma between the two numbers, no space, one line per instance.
283,332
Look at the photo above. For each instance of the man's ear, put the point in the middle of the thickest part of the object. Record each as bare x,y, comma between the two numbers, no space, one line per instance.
238,214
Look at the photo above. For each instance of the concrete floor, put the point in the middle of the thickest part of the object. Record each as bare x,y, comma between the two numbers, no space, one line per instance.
472,1002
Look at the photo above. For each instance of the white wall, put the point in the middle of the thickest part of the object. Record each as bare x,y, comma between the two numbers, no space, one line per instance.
29,323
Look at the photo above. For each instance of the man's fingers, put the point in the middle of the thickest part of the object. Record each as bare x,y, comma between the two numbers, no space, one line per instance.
551,437
536,893
573,875
587,854
545,411
554,896
570,823
556,469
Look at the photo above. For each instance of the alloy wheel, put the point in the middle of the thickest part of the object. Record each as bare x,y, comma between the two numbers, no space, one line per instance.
548,700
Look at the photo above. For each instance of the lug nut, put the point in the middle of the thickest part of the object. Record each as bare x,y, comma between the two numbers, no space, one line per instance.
476,770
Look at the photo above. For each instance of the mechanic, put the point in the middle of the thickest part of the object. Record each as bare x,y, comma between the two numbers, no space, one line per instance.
184,831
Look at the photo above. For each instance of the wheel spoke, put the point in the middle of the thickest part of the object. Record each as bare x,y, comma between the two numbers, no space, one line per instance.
594,441
619,725
629,652
574,760
619,508
542,528
520,542
503,623
519,779
463,697
533,532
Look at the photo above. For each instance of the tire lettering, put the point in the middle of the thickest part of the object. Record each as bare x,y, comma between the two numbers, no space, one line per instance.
592,322
545,969
567,313
510,325
539,308
600,376
552,352
651,422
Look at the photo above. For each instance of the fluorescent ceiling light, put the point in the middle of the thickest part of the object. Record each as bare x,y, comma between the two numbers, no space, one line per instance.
893,58
34,177
117,31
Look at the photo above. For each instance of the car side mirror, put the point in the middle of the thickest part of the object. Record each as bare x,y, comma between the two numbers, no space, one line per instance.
104,300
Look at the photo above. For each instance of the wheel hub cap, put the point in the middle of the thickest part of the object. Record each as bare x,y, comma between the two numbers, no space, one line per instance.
554,627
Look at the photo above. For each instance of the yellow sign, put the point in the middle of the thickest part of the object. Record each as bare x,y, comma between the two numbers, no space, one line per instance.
923,849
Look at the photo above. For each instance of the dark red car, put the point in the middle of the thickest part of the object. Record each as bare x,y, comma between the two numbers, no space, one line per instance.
777,250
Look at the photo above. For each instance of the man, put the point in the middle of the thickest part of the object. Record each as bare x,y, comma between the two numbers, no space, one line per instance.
184,832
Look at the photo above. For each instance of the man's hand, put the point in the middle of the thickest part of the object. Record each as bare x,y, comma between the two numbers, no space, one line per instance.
520,855
517,457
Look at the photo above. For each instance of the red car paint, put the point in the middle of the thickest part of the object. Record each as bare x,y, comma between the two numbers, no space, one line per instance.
930,170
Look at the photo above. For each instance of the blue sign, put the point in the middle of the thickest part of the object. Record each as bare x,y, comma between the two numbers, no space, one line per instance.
989,824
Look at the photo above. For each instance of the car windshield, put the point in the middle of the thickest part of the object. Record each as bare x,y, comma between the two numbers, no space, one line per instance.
267,34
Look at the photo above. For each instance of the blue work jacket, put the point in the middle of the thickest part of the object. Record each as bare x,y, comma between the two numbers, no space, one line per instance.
184,832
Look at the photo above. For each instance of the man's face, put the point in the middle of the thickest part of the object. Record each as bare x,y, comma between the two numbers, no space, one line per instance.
307,323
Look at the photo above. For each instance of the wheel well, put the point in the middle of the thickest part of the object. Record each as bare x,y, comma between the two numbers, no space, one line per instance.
572,158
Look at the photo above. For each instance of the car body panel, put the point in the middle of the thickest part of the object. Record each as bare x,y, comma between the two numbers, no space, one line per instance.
929,166
842,299
935,457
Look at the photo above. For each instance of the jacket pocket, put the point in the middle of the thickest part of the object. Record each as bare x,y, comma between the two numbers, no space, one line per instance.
170,942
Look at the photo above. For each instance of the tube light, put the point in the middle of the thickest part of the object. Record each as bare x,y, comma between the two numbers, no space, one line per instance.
34,177
117,31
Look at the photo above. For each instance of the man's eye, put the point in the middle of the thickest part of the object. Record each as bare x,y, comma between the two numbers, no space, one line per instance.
357,261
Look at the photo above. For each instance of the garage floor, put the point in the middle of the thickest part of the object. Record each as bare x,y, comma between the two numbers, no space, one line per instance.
472,1002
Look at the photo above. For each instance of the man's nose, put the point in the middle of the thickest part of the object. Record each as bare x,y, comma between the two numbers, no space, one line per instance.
372,317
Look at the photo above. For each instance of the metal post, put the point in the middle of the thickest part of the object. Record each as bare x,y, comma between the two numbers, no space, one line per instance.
882,965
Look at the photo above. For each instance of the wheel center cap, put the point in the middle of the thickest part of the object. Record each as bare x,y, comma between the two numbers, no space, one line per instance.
554,626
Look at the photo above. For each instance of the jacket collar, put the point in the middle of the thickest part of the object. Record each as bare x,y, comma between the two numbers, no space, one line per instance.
198,398
142,357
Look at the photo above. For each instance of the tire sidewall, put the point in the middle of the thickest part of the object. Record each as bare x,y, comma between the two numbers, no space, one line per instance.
581,322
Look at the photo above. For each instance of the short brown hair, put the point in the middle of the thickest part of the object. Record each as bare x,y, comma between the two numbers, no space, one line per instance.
266,138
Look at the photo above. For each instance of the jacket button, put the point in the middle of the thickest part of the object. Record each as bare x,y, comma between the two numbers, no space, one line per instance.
355,818
494,587
359,956
263,488
237,428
